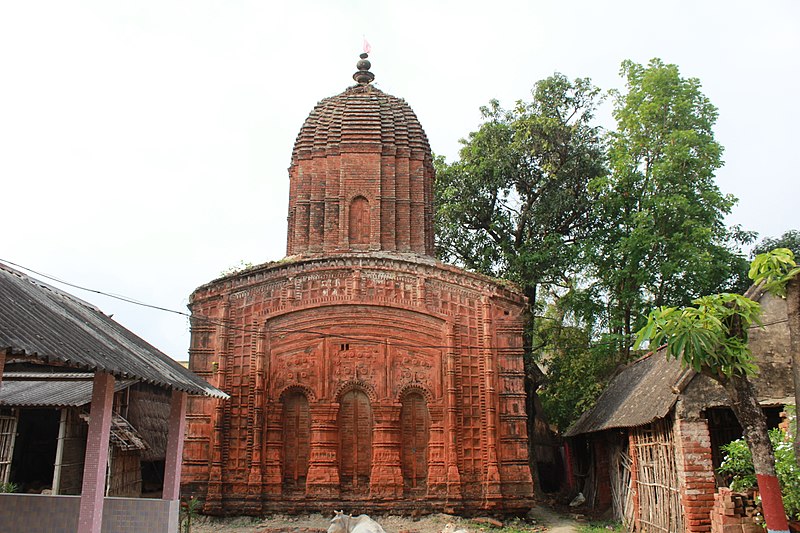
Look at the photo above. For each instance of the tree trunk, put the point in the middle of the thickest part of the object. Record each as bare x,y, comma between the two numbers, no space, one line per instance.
754,426
793,313
531,383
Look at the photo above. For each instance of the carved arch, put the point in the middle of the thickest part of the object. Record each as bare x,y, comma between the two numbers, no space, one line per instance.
356,384
296,387
419,388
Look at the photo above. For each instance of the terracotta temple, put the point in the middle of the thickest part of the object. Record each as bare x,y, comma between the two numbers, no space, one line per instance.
362,372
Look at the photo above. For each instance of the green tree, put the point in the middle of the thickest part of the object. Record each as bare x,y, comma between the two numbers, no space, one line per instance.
516,201
577,366
790,239
662,239
711,337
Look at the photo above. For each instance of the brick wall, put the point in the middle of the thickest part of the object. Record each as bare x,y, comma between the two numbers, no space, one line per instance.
361,178
386,327
695,473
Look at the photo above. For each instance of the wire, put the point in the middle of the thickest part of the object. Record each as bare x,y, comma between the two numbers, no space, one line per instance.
246,329
110,295
223,323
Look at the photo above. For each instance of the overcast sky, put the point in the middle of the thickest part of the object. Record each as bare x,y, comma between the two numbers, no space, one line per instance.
144,144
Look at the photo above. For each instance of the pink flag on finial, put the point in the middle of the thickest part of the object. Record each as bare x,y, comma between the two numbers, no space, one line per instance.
367,47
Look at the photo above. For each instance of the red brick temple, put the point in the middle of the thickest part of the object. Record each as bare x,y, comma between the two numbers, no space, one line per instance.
362,372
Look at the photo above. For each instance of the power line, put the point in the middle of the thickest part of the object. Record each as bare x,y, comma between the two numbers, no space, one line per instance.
222,323
247,329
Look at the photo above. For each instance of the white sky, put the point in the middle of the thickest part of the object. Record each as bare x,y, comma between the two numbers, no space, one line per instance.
144,144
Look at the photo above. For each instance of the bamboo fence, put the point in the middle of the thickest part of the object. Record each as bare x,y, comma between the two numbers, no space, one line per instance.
657,478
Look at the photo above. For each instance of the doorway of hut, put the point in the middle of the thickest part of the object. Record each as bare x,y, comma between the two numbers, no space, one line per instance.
35,450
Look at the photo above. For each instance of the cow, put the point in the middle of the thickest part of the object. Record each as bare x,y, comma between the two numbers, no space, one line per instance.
345,523
450,528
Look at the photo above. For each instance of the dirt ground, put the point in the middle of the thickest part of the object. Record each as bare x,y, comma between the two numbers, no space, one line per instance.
540,519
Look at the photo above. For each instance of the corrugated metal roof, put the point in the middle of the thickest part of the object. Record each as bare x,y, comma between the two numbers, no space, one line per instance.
643,392
39,320
60,376
50,393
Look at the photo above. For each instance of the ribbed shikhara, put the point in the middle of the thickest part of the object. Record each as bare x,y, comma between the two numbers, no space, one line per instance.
361,178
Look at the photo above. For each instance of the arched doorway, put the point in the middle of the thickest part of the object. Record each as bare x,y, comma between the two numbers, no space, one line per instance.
355,442
414,430
296,441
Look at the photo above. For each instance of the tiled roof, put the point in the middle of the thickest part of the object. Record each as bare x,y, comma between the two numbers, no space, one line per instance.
39,320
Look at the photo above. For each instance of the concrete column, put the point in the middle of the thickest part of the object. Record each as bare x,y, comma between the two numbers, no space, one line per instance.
90,517
175,435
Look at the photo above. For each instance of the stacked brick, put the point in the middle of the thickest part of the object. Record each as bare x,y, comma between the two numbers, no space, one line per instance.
735,513
361,371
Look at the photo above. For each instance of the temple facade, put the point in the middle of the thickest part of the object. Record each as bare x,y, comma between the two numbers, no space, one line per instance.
362,372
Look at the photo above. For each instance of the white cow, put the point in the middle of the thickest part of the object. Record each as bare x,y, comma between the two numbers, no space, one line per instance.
345,523
450,528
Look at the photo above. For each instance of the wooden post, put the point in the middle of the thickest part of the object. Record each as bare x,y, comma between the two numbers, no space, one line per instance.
62,429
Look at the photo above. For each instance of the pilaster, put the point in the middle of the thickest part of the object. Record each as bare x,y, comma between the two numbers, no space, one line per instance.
386,477
322,480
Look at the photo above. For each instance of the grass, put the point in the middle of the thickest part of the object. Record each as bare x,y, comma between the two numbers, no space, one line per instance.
601,527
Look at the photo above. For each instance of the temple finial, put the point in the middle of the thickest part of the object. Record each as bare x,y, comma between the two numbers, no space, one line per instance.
363,76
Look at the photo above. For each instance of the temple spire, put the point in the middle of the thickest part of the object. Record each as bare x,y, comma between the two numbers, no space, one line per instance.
363,76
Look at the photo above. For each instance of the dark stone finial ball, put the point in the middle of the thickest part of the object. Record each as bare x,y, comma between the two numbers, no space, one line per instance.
363,55
363,65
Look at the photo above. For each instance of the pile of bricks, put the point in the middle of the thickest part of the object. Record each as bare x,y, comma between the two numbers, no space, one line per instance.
734,512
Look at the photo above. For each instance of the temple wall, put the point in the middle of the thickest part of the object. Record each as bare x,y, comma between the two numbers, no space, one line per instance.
401,381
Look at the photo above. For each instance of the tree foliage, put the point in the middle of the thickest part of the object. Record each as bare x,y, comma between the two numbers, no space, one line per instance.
516,200
596,227
710,337
664,240
790,239
774,268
